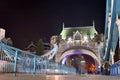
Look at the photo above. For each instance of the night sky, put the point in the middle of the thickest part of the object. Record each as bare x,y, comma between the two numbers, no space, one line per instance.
30,20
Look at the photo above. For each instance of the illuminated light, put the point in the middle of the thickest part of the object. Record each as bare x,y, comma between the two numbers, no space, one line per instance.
56,70
72,59
99,66
85,38
82,61
64,34
92,68
70,40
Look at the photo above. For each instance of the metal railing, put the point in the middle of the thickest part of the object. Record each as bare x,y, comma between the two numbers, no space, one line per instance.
18,61
115,69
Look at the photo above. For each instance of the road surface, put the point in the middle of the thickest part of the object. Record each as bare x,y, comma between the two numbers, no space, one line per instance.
4,76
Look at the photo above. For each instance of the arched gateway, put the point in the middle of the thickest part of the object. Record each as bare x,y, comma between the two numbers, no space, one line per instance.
79,45
84,55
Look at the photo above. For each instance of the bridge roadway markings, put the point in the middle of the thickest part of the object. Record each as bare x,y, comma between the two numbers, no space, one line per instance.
56,77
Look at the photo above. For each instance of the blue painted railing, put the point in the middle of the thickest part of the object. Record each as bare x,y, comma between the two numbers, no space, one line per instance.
18,61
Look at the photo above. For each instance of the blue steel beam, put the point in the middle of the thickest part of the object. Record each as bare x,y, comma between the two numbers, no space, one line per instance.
112,42
111,30
11,50
106,25
118,7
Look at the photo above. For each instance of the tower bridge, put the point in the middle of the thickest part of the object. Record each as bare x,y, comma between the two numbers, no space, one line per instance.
77,48
79,44
82,42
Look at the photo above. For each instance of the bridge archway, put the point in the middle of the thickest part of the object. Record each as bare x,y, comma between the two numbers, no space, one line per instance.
86,55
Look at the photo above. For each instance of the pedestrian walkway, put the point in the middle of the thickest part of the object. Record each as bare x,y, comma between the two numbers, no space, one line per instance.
56,77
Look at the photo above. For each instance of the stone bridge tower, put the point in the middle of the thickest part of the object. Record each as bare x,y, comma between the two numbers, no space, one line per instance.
84,42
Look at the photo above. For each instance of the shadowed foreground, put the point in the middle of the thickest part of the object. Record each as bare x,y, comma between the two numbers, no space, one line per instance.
56,77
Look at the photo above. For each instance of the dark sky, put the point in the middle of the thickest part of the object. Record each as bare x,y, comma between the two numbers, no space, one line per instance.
30,20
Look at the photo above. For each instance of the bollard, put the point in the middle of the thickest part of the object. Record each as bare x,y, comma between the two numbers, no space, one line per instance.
111,70
119,69
114,70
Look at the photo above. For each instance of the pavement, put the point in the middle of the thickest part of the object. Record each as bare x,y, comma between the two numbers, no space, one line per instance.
4,76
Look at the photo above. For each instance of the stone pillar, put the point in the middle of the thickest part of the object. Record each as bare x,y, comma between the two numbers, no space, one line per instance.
99,52
112,53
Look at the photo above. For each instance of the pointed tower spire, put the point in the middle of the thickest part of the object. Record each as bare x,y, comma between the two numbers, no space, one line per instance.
93,23
63,25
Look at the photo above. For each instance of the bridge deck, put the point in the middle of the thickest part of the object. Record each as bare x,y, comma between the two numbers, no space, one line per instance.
56,77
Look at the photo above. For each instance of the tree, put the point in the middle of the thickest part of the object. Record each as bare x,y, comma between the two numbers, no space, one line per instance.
40,47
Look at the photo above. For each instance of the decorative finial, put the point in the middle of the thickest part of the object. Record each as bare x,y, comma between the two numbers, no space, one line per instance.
93,23
63,25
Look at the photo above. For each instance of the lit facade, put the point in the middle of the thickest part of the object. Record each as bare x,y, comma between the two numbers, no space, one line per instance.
2,33
80,41
85,32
